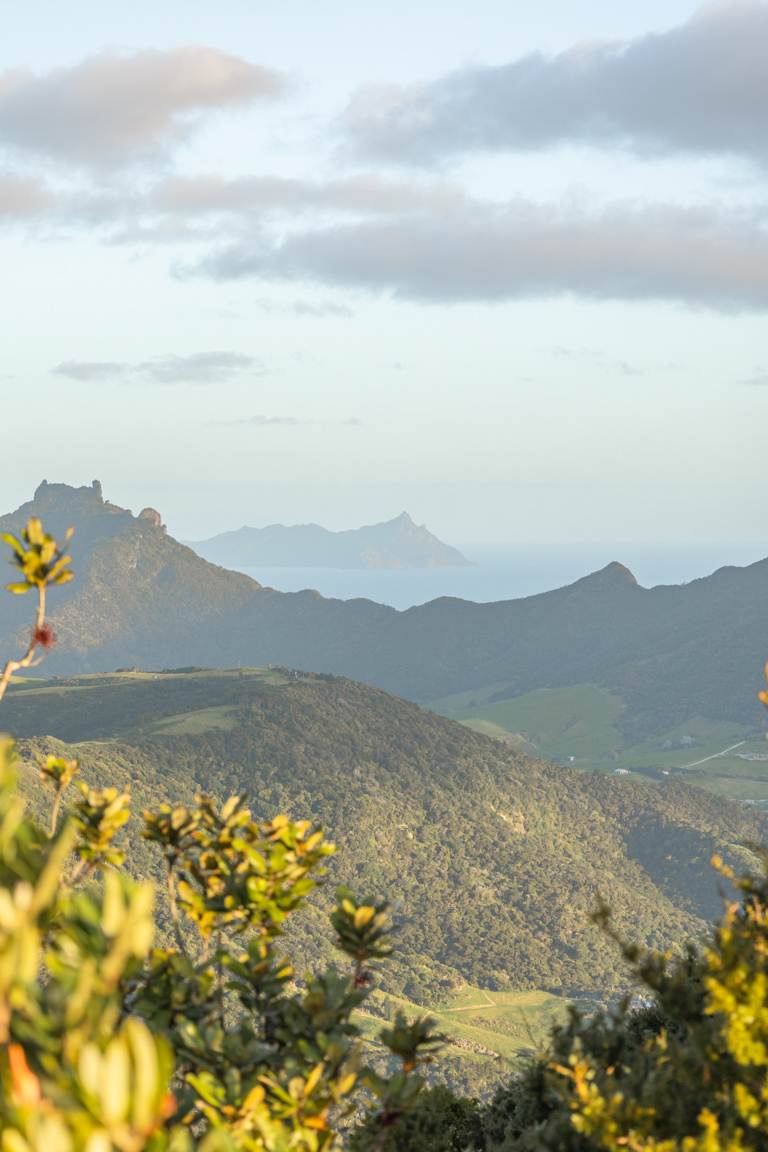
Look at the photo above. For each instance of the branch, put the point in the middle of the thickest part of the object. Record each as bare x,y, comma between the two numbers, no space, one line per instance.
55,812
174,908
29,659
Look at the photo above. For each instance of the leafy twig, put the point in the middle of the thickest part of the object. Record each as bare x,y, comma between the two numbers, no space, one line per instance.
41,564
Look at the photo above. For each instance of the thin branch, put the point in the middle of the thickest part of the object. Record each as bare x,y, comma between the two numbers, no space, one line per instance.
55,812
220,981
29,659
170,880
81,872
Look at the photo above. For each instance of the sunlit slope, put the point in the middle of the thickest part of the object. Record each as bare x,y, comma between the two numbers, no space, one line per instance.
581,725
494,860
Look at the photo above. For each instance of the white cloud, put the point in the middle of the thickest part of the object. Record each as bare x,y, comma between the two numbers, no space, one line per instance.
490,252
90,370
23,198
759,379
366,194
110,109
700,88
196,368
182,210
316,309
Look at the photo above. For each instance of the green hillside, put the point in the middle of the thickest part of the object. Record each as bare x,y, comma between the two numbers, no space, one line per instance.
559,723
494,859
580,725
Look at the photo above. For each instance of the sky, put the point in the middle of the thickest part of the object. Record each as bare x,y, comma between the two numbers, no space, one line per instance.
504,266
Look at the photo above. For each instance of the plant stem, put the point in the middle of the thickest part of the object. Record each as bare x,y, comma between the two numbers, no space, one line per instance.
170,882
220,981
28,659
55,812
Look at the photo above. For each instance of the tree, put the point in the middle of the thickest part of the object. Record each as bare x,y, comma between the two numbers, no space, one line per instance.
438,1122
108,1042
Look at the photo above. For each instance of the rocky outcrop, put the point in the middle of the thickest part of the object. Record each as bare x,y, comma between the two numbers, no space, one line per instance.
153,516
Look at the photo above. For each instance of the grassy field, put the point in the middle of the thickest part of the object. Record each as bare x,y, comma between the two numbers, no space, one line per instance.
87,680
555,722
507,1025
578,725
195,723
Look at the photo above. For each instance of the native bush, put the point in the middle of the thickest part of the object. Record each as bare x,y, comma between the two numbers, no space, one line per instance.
109,1041
681,1066
697,1079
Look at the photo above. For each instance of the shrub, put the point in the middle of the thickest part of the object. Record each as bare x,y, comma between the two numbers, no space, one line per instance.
686,1070
108,1042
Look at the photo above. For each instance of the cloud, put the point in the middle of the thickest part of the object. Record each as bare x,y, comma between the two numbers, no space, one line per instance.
206,195
699,88
196,368
597,358
23,198
90,370
183,210
696,256
758,380
110,109
319,309
323,309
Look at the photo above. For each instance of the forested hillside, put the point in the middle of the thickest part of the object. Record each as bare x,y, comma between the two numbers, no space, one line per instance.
141,598
495,860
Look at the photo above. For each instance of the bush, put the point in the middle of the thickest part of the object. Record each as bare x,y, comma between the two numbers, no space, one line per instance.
438,1122
108,1042
686,1070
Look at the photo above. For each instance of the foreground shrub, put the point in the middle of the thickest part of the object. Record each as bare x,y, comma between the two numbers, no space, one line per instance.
697,1081
108,1042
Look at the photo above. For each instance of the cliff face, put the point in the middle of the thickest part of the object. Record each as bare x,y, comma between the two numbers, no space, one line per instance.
153,516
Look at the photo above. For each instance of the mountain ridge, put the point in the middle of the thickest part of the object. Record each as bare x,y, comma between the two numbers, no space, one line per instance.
143,598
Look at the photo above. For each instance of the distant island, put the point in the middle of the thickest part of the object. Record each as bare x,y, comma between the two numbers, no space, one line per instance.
398,543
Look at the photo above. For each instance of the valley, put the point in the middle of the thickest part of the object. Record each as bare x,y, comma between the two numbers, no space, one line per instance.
580,726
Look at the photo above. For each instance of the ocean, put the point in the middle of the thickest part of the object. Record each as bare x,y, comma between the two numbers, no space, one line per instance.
505,574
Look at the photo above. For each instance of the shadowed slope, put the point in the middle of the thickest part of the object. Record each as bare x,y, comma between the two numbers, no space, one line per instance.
142,598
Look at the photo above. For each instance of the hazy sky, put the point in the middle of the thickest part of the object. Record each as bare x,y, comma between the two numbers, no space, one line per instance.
504,265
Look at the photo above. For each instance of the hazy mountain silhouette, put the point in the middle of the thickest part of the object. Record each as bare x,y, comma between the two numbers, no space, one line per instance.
397,543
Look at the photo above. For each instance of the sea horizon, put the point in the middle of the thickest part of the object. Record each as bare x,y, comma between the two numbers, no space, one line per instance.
499,573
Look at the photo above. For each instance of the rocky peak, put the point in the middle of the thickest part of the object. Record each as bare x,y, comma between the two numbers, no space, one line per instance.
153,516
46,493
614,575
